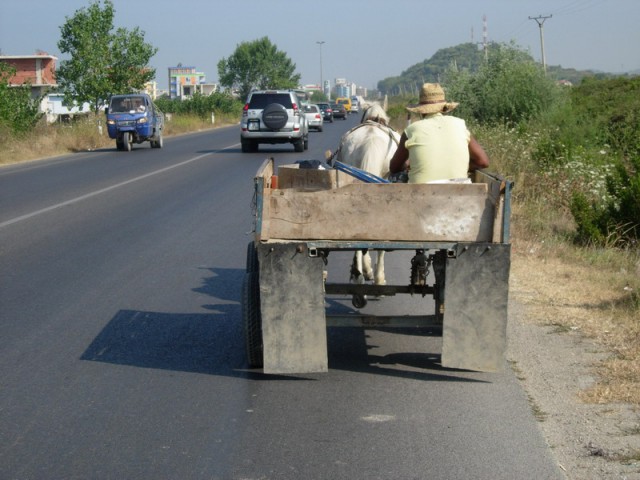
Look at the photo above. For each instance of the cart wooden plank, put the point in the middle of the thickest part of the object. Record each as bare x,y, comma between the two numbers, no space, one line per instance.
406,212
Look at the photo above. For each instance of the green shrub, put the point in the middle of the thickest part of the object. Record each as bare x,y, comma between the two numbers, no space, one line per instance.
616,222
588,218
202,105
601,129
508,89
18,111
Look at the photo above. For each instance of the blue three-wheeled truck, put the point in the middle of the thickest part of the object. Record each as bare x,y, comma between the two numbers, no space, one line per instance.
134,118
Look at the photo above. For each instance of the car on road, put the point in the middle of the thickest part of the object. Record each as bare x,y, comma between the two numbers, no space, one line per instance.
314,117
339,111
327,111
346,101
274,117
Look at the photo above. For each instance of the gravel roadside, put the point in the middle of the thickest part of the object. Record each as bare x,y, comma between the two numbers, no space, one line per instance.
589,441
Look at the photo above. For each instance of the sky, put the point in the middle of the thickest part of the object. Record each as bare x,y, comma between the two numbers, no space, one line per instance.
364,40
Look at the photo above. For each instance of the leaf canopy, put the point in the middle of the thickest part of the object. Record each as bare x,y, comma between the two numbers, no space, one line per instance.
257,65
102,63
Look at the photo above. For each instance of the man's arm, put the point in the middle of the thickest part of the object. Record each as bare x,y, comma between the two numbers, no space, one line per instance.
400,157
478,158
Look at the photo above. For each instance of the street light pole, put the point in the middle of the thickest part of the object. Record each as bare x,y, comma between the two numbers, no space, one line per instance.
321,83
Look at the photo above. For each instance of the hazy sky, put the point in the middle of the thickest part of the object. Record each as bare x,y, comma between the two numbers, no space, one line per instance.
365,40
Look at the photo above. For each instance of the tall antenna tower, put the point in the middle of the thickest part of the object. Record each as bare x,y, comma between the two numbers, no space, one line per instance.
485,37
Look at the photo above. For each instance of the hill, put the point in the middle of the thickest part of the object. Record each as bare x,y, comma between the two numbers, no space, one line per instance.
465,57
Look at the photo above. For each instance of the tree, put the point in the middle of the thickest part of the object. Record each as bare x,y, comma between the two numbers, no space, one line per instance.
257,65
318,97
18,110
102,63
130,55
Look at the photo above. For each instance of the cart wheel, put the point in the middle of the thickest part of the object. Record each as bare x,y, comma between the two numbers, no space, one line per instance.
252,257
252,319
439,311
439,269
359,300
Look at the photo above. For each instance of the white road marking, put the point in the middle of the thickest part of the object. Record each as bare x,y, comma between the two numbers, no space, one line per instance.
377,418
103,190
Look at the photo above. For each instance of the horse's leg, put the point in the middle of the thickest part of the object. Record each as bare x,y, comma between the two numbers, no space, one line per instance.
379,277
356,268
367,270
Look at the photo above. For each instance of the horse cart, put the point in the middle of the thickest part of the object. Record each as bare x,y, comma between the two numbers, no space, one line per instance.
459,232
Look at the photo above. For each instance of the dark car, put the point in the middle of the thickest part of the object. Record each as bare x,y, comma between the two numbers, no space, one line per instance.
339,111
327,112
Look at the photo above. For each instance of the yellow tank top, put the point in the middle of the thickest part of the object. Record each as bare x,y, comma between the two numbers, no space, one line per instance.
438,149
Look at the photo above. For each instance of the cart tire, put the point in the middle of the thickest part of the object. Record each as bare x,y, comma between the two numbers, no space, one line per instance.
439,309
359,300
439,269
252,319
252,257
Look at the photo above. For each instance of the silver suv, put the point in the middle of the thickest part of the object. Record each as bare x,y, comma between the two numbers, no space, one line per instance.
273,116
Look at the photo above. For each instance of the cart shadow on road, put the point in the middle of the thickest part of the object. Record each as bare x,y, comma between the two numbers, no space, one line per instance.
350,349
212,343
209,343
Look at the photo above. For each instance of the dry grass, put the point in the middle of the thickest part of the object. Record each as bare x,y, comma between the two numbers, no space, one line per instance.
85,135
594,292
591,291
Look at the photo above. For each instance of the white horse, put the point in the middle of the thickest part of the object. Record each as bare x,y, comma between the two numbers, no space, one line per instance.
369,146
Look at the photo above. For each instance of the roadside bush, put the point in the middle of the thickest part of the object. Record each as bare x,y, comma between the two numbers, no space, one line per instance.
508,89
202,105
612,108
605,123
18,110
615,222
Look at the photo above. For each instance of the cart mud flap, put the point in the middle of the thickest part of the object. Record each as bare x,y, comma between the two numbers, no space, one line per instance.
475,316
294,329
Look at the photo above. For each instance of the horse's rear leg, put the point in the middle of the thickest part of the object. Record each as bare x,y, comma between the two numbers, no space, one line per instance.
359,300
379,275
356,268
367,269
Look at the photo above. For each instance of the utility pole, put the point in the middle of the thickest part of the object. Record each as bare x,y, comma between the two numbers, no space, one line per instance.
540,20
321,82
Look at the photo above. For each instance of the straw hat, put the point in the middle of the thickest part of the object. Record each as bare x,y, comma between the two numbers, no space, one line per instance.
432,100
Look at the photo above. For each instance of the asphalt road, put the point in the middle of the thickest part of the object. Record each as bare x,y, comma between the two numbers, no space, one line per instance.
122,355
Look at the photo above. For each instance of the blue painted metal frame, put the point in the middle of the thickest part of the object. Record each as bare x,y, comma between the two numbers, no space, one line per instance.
259,199
506,218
